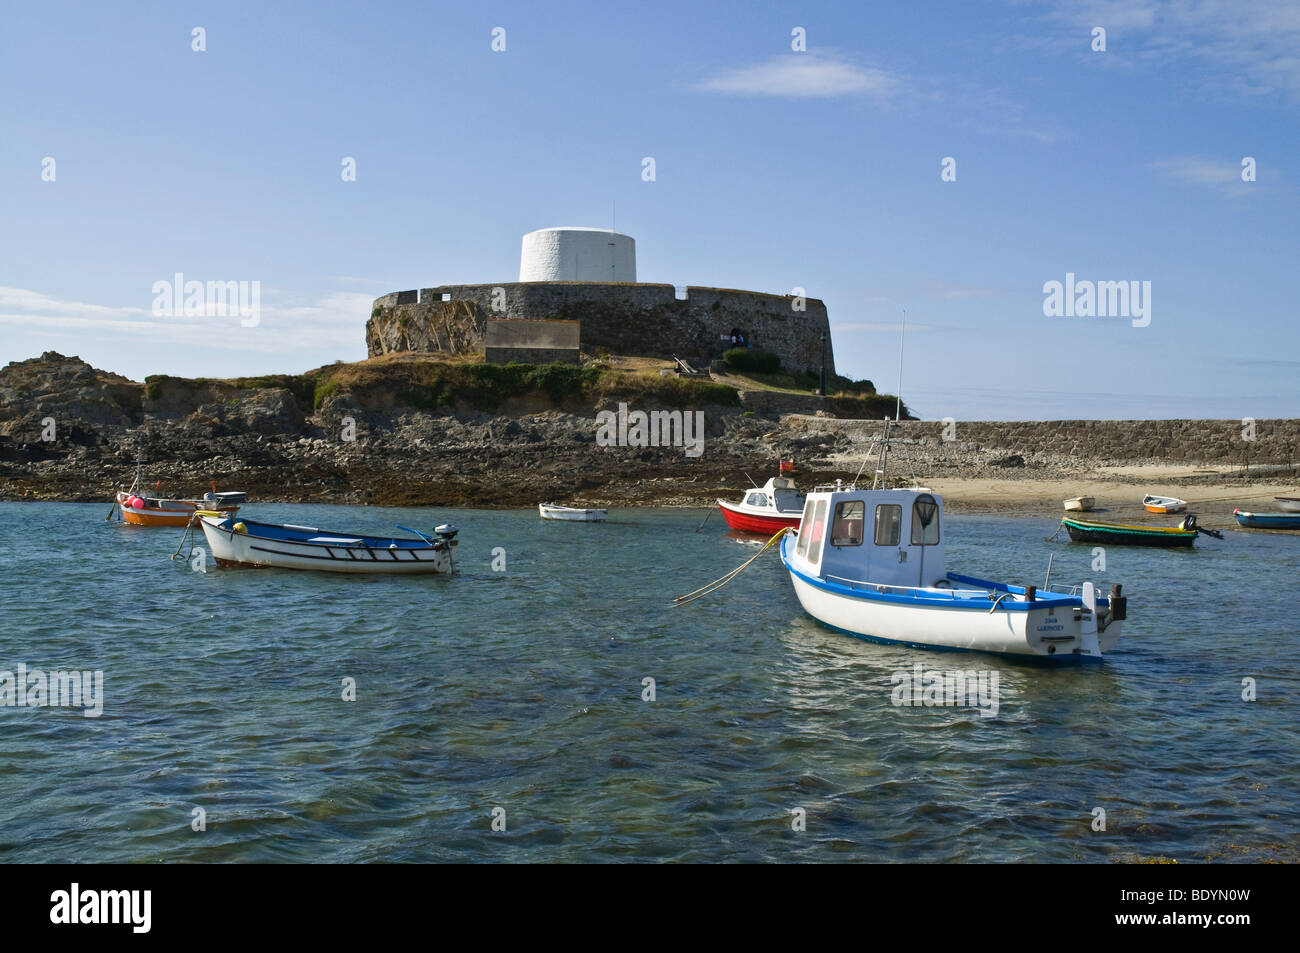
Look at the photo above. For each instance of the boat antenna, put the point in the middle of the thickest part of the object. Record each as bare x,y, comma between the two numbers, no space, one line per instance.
879,481
898,397
751,480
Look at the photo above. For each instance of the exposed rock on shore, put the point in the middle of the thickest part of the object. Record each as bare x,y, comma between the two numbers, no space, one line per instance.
365,438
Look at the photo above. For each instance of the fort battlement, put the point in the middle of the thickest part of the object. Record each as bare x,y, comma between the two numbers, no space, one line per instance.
620,317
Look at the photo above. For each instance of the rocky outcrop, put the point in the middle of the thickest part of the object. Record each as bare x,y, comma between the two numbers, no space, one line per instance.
77,398
379,433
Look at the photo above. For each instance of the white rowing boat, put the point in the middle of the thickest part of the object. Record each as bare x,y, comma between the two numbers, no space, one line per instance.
1080,504
248,543
553,511
1164,504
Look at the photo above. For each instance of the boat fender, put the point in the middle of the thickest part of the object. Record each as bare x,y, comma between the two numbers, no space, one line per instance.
240,527
137,503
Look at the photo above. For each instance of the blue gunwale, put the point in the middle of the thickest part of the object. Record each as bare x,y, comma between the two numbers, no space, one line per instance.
936,601
280,533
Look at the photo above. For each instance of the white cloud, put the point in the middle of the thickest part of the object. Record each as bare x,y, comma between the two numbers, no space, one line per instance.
804,76
1224,174
333,322
1249,46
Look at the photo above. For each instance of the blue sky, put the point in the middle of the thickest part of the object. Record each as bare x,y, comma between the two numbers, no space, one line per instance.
775,169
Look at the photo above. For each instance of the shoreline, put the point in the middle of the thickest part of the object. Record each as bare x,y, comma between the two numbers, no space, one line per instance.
1116,500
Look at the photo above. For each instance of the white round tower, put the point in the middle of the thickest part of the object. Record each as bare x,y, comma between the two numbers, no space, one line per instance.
577,254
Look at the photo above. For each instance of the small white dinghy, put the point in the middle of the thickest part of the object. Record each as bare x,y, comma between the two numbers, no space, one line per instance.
1080,504
1288,504
554,511
1164,504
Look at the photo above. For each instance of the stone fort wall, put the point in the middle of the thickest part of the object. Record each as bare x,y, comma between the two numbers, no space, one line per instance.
619,317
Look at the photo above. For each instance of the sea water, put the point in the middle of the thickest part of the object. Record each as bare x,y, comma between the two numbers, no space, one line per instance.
546,704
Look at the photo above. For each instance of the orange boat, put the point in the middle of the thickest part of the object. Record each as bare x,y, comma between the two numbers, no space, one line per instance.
1164,504
158,511
140,510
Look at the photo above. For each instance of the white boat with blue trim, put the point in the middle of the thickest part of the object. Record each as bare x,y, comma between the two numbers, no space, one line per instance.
237,542
894,586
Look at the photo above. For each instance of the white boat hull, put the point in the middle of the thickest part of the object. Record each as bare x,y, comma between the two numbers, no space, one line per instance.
1287,504
230,548
1047,632
1080,504
571,513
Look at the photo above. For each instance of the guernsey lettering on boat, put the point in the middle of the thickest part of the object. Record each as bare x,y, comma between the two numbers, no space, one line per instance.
217,299
959,689
658,428
1100,299
76,906
36,688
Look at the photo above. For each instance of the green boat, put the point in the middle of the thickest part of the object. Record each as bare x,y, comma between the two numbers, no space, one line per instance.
1129,534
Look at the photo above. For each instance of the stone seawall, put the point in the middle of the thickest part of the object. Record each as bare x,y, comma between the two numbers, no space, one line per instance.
622,318
1099,442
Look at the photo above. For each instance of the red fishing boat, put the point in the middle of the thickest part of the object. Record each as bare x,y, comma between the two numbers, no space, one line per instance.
775,505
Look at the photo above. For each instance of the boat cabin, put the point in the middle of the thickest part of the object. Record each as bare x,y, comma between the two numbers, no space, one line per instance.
886,537
778,494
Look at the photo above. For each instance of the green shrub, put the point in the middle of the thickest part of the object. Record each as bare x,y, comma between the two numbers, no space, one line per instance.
751,360
322,392
865,406
856,387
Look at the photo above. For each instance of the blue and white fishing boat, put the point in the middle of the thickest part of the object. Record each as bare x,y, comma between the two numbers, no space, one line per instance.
248,543
892,585
871,563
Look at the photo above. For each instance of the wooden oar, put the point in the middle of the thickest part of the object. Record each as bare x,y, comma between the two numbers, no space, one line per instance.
110,510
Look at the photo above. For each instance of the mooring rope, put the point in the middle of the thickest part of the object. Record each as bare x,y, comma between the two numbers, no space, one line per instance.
723,580
188,534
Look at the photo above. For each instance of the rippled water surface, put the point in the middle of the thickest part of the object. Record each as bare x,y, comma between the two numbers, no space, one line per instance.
522,690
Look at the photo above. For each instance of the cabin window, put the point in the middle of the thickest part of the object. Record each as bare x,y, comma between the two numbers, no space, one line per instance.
757,499
805,528
818,533
847,528
925,521
889,523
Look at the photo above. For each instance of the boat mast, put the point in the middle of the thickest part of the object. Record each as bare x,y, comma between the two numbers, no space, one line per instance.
898,396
